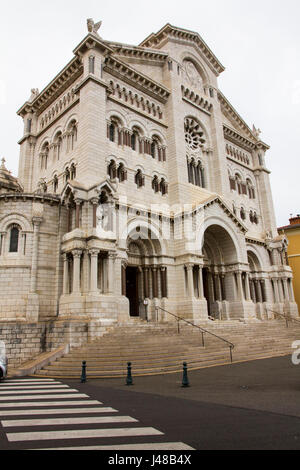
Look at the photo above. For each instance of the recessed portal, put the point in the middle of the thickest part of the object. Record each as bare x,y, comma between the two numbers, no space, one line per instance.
132,290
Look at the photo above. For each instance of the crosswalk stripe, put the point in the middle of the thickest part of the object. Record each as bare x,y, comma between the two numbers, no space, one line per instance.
60,411
28,392
19,388
24,381
14,423
82,434
41,397
141,446
50,403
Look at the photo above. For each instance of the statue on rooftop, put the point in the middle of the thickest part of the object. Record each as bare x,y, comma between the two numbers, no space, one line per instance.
93,27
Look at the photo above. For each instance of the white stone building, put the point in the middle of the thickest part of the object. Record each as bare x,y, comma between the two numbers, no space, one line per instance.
139,186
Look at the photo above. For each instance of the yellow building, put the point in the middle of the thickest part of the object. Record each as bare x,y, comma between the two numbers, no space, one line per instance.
292,232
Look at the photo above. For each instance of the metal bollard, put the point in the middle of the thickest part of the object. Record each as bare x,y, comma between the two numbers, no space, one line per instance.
129,380
83,373
185,380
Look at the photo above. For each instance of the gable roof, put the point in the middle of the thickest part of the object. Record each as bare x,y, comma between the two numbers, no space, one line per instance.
157,40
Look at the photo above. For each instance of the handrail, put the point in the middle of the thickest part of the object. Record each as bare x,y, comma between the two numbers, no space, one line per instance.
286,317
203,330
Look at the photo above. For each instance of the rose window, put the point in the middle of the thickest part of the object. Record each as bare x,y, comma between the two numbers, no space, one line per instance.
193,134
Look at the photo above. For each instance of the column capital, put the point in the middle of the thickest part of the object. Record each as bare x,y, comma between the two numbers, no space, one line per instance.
94,252
76,253
37,221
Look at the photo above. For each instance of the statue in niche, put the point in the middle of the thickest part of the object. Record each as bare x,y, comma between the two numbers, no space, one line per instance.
105,218
192,76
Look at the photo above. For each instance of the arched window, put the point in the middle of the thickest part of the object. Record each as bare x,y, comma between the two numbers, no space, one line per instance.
44,156
67,174
243,213
73,172
121,173
238,183
139,179
196,173
112,170
250,189
14,239
55,184
112,132
73,133
155,184
163,187
58,144
133,141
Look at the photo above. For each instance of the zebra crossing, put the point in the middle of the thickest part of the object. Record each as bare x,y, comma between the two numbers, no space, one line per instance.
35,412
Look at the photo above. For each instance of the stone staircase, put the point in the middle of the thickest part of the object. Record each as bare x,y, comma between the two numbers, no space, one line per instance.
158,348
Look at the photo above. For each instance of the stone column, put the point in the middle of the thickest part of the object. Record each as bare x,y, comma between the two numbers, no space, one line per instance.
164,287
190,279
239,285
77,216
253,293
291,288
123,268
146,283
200,282
263,290
94,203
155,282
66,274
285,288
34,263
218,287
276,291
258,290
247,285
110,272
76,271
94,271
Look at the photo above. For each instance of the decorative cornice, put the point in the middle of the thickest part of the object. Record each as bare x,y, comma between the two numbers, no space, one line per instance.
58,85
128,74
156,41
135,52
238,139
193,98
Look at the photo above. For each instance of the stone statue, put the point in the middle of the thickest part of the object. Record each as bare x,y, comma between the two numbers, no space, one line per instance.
256,132
34,93
93,27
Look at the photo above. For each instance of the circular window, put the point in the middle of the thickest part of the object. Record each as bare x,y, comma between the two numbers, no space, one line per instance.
193,134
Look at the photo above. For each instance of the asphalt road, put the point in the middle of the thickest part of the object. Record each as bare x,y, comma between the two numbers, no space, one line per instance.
248,406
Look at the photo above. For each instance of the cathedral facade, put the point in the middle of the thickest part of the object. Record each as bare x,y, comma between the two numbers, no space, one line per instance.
141,191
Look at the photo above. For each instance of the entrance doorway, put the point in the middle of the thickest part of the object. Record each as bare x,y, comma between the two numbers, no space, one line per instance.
132,290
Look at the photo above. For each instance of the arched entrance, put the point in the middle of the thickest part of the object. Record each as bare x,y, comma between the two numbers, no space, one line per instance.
146,277
219,280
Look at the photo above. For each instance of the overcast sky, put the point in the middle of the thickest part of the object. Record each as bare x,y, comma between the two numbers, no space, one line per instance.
258,42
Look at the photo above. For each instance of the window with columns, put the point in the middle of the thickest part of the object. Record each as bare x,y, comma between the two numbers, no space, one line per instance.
196,172
44,156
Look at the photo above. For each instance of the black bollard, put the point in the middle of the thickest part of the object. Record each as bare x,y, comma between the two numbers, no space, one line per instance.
185,380
83,373
129,380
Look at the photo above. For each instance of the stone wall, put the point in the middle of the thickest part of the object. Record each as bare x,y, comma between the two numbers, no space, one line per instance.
25,341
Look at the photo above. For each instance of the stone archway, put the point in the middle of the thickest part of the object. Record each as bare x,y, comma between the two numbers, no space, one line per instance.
145,276
221,283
